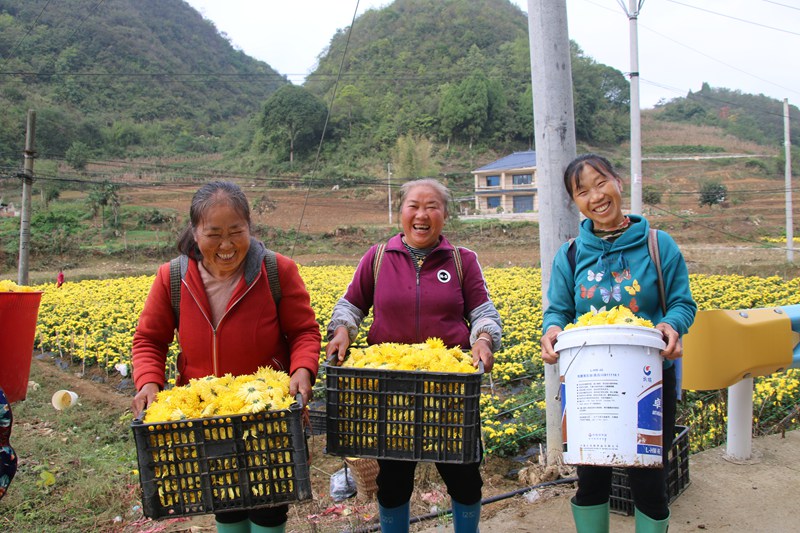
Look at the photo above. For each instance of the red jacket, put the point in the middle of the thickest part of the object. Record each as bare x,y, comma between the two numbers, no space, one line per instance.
249,335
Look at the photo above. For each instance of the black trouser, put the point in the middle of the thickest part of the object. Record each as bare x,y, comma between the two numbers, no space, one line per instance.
396,481
648,485
264,517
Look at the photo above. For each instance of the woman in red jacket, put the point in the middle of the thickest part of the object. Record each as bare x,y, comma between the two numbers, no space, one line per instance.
230,318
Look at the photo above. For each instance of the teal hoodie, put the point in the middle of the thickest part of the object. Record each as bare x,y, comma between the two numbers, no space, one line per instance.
608,274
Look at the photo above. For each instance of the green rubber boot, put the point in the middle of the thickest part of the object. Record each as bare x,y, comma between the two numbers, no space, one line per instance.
645,524
591,518
395,519
254,528
466,517
236,527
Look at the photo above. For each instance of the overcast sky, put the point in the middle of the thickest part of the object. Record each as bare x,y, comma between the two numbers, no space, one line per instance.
748,45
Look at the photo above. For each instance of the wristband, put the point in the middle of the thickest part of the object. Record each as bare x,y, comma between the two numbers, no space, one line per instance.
485,340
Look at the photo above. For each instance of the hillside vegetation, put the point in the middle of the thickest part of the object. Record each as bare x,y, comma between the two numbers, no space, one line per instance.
123,78
139,101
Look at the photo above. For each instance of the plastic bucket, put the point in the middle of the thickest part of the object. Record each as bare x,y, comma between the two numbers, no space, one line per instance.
18,314
611,410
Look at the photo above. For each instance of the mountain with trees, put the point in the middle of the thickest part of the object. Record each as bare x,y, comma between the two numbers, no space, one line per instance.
425,84
122,77
452,71
756,118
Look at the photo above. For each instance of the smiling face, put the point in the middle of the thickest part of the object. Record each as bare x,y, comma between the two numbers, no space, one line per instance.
598,197
223,237
422,216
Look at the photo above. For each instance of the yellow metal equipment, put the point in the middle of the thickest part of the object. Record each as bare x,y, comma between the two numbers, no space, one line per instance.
724,346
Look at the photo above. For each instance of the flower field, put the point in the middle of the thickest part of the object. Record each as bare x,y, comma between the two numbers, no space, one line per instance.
92,322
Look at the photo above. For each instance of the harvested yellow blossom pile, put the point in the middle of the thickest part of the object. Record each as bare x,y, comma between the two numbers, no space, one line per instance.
9,286
619,315
430,356
265,390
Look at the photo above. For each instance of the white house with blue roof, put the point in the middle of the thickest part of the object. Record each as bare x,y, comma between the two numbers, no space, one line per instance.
507,185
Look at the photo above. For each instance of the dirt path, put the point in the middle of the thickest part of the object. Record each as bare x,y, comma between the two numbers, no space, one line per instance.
722,496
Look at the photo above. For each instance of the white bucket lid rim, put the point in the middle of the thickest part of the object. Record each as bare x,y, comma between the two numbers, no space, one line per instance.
611,334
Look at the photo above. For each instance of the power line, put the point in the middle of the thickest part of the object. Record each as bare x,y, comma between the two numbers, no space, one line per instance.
734,18
695,222
782,5
719,60
30,29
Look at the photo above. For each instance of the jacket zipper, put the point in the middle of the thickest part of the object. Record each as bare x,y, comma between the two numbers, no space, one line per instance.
214,350
419,297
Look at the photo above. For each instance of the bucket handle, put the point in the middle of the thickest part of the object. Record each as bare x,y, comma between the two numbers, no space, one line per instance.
558,394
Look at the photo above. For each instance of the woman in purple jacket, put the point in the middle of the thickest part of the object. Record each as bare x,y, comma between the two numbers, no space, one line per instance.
419,286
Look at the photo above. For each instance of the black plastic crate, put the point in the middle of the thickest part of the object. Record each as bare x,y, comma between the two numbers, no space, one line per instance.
677,475
317,419
222,463
395,414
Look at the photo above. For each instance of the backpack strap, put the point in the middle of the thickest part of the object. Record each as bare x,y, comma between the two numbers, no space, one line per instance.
177,269
571,254
271,264
179,265
459,264
376,262
381,250
655,257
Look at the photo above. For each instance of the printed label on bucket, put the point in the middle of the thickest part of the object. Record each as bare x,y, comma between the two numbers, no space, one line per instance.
611,398
649,441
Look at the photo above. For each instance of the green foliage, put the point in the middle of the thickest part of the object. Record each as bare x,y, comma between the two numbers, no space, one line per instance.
154,217
102,196
651,195
50,193
411,158
757,165
51,493
601,95
291,122
141,63
756,118
77,155
684,149
780,161
712,193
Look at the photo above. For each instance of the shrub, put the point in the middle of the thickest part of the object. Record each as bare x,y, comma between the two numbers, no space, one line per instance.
712,193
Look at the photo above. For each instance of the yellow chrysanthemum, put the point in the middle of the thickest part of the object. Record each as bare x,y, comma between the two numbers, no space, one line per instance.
6,285
430,356
227,395
619,315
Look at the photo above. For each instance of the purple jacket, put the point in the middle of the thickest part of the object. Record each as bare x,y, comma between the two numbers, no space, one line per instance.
409,309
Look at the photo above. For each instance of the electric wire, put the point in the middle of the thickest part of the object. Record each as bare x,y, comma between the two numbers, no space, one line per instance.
30,29
754,23
324,128
780,4
683,92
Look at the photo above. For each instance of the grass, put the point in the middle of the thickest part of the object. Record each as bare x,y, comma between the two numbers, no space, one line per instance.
76,470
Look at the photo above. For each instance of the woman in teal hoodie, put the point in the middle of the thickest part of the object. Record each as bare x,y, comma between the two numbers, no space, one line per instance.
607,265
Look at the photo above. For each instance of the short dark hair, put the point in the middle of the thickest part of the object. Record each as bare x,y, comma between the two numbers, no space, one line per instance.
206,196
572,176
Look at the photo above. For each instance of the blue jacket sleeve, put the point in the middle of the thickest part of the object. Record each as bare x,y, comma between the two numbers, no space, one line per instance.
560,309
681,307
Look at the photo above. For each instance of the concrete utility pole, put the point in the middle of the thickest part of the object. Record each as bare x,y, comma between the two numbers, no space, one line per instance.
27,185
787,147
554,134
635,6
